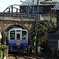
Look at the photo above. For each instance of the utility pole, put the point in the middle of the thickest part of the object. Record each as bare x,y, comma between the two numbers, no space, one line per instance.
33,4
36,47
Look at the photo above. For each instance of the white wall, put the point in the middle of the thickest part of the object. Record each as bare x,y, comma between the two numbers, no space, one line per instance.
30,2
56,0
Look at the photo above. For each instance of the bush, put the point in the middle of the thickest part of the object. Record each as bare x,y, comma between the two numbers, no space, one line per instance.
4,46
5,49
0,53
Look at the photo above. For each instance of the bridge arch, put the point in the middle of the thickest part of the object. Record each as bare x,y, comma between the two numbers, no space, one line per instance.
12,7
14,24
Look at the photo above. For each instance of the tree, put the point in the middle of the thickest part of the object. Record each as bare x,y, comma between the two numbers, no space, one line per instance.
42,28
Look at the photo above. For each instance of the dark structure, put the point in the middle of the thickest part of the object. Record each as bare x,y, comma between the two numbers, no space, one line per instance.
24,11
53,36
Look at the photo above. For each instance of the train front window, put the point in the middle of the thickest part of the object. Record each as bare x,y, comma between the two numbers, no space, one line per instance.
12,35
18,36
24,35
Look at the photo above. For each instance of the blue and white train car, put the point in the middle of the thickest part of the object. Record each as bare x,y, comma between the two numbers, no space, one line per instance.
18,40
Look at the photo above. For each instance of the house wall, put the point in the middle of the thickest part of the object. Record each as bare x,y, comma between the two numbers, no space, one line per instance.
53,37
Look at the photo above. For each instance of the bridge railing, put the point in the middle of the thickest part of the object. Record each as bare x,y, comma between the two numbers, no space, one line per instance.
20,15
25,15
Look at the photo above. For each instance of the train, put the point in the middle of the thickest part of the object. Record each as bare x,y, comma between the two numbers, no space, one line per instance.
17,39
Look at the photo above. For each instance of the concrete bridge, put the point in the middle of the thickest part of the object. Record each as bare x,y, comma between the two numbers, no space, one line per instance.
12,14
8,20
19,15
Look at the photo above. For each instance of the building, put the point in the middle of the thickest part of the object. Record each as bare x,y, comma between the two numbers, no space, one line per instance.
53,36
31,2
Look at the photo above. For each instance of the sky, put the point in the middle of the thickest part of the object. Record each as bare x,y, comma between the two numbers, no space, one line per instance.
5,3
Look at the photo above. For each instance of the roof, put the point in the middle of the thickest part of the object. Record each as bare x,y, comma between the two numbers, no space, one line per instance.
56,7
31,2
48,2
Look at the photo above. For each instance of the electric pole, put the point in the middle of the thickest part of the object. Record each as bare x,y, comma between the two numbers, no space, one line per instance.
33,4
36,47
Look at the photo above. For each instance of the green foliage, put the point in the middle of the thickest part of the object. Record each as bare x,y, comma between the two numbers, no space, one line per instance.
0,53
53,19
4,46
4,49
34,38
5,53
42,28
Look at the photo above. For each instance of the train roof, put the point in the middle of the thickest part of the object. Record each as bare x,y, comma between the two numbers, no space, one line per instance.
17,29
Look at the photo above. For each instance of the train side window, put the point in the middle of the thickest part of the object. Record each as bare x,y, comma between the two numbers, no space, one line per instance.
24,35
12,35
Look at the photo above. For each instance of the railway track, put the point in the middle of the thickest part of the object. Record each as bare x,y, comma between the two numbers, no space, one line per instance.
23,56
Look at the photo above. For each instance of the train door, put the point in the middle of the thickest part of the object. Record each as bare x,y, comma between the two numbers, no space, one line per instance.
18,37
